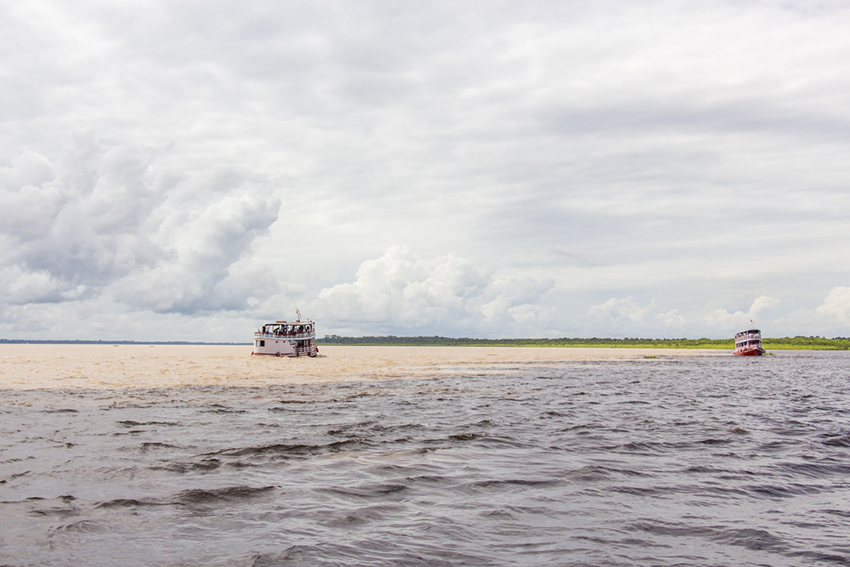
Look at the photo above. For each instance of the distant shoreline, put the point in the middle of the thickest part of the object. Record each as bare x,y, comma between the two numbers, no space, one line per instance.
81,342
786,343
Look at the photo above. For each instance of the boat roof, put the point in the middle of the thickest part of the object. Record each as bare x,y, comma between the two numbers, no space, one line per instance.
300,322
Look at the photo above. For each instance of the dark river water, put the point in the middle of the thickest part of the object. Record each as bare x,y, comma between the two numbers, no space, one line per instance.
661,462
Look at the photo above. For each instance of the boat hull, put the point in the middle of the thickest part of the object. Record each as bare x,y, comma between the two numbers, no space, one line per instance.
289,355
278,347
750,352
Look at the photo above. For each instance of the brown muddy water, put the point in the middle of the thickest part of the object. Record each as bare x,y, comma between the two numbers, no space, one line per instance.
167,456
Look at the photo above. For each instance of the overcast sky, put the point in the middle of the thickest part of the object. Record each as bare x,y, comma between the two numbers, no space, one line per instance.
191,170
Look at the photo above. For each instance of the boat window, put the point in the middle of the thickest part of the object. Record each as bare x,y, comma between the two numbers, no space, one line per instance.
262,343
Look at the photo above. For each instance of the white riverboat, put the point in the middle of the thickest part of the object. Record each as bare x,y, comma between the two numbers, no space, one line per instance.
286,338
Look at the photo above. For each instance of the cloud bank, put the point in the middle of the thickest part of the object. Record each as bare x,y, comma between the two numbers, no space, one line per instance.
187,171
402,291
110,222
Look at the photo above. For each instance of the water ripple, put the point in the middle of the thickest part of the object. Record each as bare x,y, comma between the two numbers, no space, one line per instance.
661,462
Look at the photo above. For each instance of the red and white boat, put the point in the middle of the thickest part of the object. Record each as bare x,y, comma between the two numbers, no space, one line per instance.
287,338
748,343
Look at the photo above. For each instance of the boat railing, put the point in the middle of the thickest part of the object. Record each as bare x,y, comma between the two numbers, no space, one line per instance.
747,336
300,336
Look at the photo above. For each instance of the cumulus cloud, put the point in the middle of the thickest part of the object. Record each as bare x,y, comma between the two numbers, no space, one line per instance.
836,306
722,318
77,222
623,309
20,286
619,316
198,254
625,315
110,219
448,294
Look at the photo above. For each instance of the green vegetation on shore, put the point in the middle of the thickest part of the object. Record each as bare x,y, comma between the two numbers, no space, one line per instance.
788,343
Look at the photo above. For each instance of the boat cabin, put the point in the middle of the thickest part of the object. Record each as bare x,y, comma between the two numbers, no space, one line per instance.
286,338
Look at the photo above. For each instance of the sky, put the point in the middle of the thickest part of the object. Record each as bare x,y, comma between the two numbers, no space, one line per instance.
191,170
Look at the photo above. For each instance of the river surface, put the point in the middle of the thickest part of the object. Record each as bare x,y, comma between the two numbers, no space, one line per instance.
514,460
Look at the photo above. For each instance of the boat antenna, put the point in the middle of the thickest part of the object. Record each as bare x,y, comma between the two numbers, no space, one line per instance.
298,312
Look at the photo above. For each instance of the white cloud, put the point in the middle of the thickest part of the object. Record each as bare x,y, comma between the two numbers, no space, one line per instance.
622,308
721,318
21,287
448,294
836,306
111,220
198,255
625,316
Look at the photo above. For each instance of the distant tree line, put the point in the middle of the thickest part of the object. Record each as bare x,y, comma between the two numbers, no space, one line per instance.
788,343
100,342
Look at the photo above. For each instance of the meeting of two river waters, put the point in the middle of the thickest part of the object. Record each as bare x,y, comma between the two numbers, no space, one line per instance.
205,455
